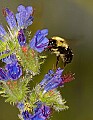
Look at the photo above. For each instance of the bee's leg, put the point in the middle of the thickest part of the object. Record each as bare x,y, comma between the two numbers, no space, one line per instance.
65,64
57,61
65,61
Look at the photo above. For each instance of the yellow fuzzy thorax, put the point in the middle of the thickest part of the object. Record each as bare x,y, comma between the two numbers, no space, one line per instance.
60,41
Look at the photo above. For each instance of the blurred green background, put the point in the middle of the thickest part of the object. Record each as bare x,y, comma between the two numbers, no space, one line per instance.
73,20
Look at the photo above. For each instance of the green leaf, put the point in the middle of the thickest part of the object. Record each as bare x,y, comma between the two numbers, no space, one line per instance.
15,92
52,98
5,55
2,46
10,45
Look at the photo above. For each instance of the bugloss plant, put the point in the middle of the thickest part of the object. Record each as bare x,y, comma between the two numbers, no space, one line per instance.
22,62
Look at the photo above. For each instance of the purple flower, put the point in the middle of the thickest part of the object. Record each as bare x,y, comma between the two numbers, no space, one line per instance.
47,77
57,79
42,112
2,31
59,72
38,117
20,106
10,18
26,115
45,111
39,42
24,16
14,71
9,59
3,75
54,81
21,38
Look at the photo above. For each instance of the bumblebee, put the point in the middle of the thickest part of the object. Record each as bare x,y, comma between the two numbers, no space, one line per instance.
62,50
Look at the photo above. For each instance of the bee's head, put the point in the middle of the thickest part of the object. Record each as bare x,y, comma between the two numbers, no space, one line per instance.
52,44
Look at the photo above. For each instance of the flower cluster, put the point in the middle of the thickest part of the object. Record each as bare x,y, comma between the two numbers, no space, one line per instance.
21,62
51,80
41,112
13,72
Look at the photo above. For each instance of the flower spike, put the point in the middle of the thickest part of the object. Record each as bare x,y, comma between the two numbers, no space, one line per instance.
21,62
